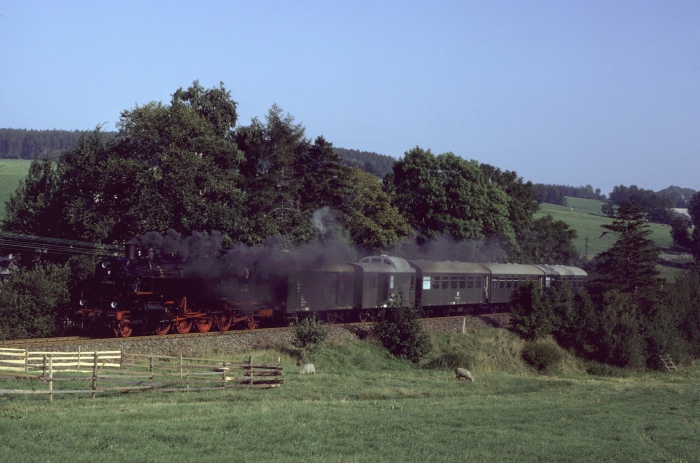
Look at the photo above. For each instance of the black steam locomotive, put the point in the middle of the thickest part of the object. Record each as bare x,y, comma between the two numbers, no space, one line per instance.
148,295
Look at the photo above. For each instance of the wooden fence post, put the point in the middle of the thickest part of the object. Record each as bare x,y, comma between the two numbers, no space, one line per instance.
50,378
150,369
223,375
250,369
94,375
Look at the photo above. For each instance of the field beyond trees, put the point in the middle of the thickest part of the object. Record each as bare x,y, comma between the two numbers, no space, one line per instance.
365,406
11,172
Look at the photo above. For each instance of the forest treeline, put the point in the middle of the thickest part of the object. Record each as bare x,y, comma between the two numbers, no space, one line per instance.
33,144
556,194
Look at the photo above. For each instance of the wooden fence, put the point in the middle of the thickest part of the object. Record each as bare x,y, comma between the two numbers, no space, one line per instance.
109,371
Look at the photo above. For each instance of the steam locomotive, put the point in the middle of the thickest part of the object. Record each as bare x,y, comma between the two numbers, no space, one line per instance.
144,294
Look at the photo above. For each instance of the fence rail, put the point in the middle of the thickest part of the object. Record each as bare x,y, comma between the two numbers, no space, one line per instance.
115,371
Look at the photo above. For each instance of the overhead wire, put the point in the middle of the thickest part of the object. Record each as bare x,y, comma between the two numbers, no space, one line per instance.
14,242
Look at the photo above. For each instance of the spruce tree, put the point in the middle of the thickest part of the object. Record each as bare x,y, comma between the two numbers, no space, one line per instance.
629,266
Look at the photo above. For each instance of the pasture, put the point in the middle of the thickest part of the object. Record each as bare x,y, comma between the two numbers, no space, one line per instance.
584,216
364,406
11,172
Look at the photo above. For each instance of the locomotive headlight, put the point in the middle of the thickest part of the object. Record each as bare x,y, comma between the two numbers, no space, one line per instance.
113,304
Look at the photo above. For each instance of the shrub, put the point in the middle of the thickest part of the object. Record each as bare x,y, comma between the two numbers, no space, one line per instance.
603,369
400,332
450,360
531,314
31,300
542,355
308,334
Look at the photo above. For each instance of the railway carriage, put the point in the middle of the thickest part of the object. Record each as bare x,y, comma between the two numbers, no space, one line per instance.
450,287
505,278
379,279
555,275
326,290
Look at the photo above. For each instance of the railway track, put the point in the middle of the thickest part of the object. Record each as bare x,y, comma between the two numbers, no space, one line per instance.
78,340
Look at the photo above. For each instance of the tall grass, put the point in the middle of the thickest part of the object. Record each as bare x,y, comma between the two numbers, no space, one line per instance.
365,406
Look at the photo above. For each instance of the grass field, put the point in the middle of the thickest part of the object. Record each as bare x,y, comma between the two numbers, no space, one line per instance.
364,406
584,216
11,172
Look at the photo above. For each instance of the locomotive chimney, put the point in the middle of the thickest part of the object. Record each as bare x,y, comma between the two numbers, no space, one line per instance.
131,250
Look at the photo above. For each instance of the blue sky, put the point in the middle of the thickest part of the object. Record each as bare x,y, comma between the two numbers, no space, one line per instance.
565,92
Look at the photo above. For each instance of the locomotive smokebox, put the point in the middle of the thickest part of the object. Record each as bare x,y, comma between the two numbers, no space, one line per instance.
131,250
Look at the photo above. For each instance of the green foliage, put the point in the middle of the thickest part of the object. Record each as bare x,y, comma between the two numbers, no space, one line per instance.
542,355
447,194
308,334
32,207
531,314
656,206
619,340
378,165
629,266
370,218
682,305
450,360
399,330
603,369
33,301
548,241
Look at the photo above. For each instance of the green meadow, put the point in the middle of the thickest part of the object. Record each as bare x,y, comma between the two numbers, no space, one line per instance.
11,172
364,406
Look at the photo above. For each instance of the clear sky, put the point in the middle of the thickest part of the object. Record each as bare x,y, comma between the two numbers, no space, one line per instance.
567,92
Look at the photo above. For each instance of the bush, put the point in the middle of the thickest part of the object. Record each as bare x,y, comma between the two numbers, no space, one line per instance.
308,334
603,369
542,355
400,332
32,300
531,314
450,360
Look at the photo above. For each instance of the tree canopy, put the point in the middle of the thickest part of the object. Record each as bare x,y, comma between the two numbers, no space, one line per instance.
187,166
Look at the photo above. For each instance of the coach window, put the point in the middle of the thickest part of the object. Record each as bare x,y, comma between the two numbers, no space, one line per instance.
453,283
470,282
445,282
426,282
436,282
391,281
462,282
502,283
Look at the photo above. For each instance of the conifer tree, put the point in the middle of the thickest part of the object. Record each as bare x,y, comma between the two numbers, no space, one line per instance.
630,264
